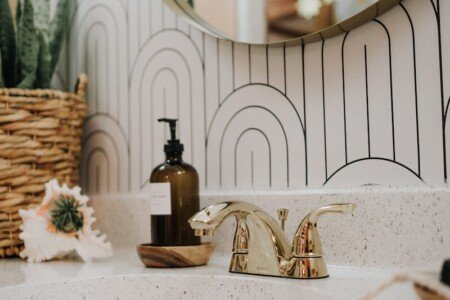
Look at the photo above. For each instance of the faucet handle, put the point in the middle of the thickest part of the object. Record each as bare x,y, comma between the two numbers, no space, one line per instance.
283,215
307,241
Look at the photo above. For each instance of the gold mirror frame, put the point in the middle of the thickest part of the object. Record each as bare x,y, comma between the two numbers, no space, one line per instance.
359,19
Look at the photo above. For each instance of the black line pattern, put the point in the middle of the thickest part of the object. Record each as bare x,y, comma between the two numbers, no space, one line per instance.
305,132
391,87
415,85
270,163
441,75
269,171
344,99
324,109
211,71
367,101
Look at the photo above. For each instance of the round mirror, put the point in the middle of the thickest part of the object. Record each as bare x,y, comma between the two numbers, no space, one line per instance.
279,21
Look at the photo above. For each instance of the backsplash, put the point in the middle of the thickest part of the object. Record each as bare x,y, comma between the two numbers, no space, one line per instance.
366,107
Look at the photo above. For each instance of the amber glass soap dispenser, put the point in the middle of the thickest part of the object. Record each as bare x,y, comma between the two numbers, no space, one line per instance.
175,196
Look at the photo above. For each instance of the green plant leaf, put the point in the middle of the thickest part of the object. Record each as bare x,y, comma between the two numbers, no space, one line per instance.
41,10
57,31
27,45
44,75
7,44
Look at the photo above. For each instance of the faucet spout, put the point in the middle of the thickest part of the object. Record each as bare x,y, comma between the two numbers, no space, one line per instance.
260,254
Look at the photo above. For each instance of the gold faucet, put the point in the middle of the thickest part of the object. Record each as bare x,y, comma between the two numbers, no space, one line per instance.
260,245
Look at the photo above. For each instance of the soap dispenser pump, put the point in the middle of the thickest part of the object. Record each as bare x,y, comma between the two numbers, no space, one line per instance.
174,189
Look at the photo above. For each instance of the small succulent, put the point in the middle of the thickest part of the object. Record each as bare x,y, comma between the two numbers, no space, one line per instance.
30,45
66,216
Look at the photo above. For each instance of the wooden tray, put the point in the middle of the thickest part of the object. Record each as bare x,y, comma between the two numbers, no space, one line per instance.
175,256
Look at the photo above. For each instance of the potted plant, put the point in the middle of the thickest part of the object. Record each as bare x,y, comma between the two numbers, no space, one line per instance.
40,128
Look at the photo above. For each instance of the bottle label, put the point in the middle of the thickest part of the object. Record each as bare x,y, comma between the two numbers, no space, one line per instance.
160,201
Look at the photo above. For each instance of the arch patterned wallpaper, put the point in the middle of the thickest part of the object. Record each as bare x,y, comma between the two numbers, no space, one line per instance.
367,107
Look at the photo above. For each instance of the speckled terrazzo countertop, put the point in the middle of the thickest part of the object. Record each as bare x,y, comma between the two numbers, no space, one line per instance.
123,277
391,229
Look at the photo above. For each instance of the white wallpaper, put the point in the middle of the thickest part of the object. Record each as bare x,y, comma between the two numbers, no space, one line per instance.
367,107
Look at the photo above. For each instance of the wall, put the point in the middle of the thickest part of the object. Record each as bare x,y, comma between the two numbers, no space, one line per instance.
367,107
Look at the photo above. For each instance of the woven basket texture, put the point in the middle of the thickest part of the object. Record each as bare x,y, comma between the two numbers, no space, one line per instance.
40,139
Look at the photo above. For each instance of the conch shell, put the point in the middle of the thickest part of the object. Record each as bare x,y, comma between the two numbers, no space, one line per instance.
61,224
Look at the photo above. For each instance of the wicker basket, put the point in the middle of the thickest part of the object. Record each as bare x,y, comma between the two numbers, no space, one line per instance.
40,139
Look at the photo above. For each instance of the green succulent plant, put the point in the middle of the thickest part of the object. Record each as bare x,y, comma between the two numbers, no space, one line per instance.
30,46
66,215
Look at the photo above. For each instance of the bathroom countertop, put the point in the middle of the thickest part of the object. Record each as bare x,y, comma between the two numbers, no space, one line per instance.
123,275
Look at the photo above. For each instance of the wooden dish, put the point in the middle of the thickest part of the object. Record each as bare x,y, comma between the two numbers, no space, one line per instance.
175,256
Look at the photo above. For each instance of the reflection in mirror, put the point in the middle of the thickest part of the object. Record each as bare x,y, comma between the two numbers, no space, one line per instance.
272,21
